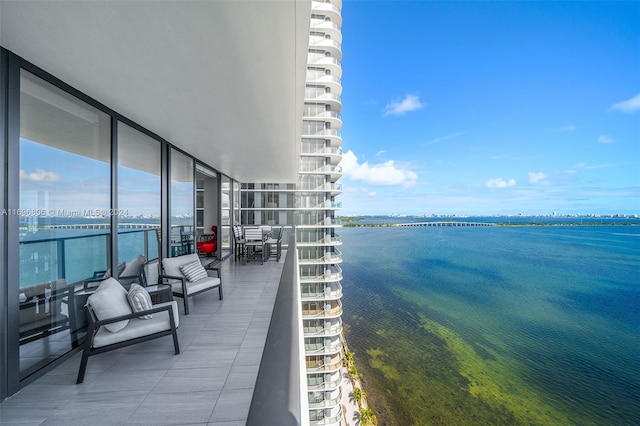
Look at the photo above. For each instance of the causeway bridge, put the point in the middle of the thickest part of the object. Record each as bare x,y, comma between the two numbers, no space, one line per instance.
447,223
104,225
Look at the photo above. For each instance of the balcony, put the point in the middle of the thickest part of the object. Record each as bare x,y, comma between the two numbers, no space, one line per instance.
327,258
324,98
325,386
328,205
336,240
324,331
328,27
333,135
329,10
323,151
325,368
328,294
332,275
328,421
335,172
324,403
333,188
325,223
211,381
324,350
323,313
327,62
327,81
327,45
332,117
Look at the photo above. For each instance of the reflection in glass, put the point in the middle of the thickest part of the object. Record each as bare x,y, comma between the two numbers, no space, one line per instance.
138,194
181,205
65,219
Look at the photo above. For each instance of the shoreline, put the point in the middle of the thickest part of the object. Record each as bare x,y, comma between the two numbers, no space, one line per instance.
353,378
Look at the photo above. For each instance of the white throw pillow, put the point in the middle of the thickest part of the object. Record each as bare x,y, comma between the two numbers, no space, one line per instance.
109,301
139,300
194,271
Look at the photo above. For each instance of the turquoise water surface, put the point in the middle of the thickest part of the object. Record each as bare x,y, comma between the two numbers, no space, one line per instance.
496,325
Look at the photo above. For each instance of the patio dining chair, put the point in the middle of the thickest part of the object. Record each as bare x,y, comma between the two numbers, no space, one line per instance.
238,242
274,244
254,242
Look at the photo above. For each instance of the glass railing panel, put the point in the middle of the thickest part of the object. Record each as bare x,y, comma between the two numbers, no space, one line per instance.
83,256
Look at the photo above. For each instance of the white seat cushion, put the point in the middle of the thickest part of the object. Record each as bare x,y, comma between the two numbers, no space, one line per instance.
194,287
138,327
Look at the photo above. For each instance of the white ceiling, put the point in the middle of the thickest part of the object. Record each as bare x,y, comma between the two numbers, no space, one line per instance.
222,80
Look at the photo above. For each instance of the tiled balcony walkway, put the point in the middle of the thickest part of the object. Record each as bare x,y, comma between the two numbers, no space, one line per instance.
210,383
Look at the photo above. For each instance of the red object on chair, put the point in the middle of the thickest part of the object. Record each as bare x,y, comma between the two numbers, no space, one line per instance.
208,243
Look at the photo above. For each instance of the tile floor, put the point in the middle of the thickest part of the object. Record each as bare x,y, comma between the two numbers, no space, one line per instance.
209,383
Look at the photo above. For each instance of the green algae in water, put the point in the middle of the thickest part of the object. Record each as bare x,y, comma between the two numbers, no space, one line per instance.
495,326
436,378
417,381
495,380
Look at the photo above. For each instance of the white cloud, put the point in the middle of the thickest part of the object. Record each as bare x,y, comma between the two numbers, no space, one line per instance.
40,176
569,128
630,105
371,193
538,178
385,174
499,183
604,139
600,166
444,138
409,103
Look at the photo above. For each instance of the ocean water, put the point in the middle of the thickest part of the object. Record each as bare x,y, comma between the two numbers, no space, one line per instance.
496,325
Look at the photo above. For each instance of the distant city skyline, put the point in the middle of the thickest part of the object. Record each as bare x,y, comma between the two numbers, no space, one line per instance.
484,108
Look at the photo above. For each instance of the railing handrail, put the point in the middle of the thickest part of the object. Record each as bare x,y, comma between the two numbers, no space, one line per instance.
321,24
319,59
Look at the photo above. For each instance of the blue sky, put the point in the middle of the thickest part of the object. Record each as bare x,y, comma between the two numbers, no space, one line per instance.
491,107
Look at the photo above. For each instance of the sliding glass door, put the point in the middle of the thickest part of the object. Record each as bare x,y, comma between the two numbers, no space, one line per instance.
139,195
64,209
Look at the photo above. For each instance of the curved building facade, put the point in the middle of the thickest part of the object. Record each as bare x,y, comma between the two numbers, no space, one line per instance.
311,206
